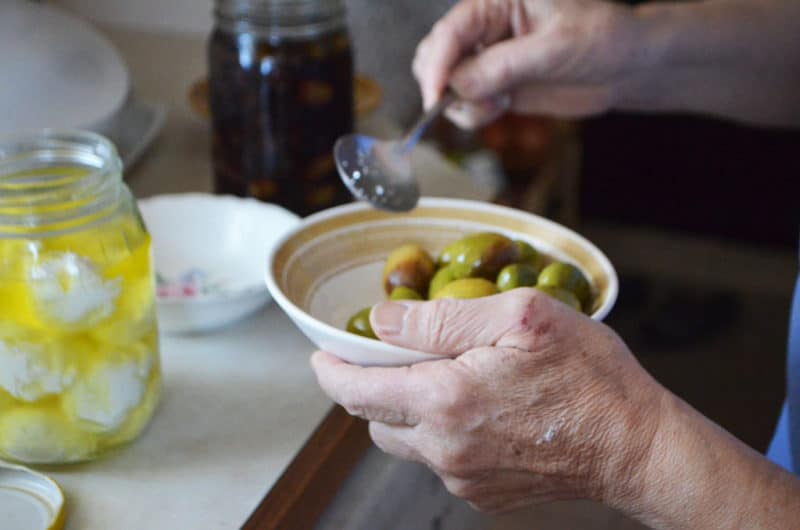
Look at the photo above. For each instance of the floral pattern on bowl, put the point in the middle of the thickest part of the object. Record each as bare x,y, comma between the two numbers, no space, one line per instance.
190,284
209,252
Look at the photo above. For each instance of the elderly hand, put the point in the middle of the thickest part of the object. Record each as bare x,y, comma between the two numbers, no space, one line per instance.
538,402
563,57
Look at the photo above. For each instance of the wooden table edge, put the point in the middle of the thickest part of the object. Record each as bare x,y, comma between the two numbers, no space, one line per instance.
309,483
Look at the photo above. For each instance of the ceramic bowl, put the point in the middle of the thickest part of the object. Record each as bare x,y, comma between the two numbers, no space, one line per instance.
329,266
209,253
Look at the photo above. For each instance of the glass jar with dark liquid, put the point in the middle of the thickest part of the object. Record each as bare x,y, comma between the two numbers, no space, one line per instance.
281,93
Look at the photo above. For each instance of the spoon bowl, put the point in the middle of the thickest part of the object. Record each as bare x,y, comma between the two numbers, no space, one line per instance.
378,171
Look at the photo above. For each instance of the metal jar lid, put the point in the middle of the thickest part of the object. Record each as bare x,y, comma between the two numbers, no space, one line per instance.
29,500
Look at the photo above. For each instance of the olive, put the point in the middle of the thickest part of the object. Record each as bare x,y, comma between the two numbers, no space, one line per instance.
479,255
561,295
529,255
409,266
442,277
404,293
466,288
516,275
359,324
315,77
567,277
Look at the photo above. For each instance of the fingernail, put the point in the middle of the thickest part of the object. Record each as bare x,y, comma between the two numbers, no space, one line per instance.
387,318
463,115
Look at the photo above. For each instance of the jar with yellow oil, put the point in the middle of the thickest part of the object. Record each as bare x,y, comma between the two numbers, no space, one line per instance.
79,356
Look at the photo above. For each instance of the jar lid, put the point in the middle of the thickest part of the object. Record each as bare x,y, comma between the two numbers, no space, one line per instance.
280,9
29,500
281,17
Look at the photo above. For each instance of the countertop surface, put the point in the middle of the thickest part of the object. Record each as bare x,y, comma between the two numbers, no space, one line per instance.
236,407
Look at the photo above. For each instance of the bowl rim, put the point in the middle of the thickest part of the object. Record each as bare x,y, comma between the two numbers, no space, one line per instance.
251,290
297,312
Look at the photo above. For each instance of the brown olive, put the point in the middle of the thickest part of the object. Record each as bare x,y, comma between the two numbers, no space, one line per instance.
466,288
408,266
359,324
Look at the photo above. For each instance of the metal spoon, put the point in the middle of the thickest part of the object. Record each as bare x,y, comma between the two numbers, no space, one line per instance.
379,172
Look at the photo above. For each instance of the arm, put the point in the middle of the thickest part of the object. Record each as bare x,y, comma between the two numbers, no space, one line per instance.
733,58
699,476
541,403
738,59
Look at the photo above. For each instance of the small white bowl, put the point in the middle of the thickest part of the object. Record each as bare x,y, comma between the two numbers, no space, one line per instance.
329,266
209,255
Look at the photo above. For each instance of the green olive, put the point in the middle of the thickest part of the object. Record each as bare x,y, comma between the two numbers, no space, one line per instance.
466,288
529,255
479,255
442,277
516,275
566,276
445,256
562,295
359,324
404,293
409,266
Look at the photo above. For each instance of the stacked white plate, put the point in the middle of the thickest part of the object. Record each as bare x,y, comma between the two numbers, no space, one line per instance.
58,72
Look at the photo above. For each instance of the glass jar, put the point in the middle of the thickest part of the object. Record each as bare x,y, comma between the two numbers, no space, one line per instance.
281,93
79,355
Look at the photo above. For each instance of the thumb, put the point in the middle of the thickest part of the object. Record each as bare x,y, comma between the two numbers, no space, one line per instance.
452,327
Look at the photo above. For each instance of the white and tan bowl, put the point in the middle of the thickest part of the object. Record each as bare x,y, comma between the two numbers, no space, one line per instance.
329,266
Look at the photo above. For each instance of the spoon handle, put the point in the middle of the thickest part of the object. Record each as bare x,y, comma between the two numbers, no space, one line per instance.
424,122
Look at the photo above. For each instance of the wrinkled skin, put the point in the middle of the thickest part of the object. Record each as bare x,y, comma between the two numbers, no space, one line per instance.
557,57
538,403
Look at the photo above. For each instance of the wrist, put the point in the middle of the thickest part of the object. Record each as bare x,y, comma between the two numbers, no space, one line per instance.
676,485
659,486
697,475
644,78
628,463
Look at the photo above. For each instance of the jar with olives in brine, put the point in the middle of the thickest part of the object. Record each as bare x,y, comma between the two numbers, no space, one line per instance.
281,93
